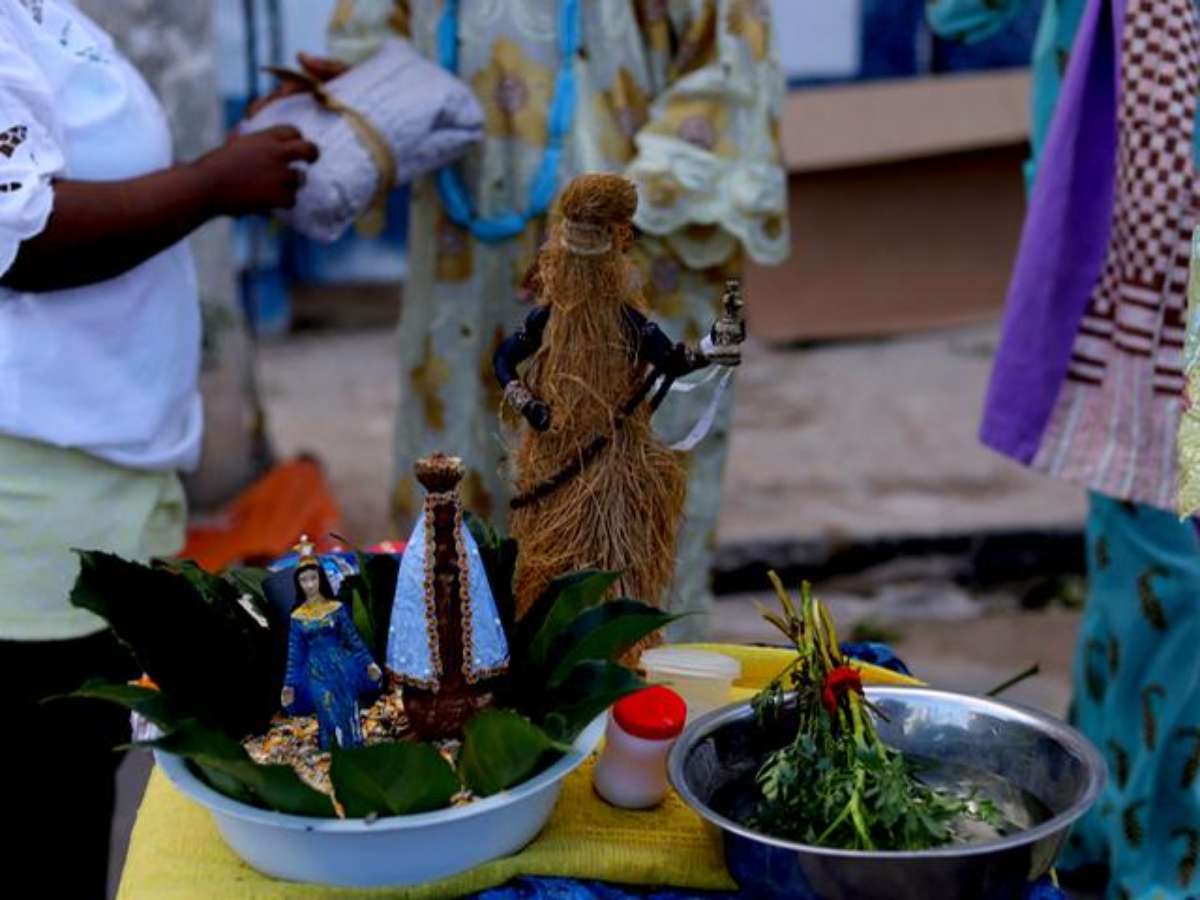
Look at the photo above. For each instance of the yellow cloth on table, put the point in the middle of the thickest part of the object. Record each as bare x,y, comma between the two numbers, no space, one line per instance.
176,853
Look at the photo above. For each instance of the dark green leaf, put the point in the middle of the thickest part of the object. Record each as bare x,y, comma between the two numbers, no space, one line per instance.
376,582
228,785
589,689
206,585
499,555
500,749
603,633
211,659
566,599
146,702
392,779
355,595
250,581
535,617
230,770
486,537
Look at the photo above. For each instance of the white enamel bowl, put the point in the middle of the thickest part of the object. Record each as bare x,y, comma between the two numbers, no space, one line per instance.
398,850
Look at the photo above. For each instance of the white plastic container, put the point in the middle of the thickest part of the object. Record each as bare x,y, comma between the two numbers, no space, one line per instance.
702,677
642,728
395,850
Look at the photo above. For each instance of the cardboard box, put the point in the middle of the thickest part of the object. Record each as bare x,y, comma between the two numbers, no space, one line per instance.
906,204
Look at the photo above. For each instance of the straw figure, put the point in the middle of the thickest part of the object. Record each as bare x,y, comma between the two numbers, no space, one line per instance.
596,488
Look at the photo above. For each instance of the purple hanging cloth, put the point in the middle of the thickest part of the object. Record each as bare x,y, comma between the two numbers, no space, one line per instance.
1063,243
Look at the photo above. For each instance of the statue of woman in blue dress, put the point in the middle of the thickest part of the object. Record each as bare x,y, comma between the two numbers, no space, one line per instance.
328,665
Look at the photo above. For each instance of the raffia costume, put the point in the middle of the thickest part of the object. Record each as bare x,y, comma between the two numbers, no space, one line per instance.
683,96
596,487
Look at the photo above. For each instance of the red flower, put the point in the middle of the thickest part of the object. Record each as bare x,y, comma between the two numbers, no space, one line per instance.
837,682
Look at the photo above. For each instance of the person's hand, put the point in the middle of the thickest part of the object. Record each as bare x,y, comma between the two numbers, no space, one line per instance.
374,672
256,173
315,66
537,414
287,696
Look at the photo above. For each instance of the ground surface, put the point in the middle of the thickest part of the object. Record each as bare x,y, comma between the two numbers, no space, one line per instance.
850,440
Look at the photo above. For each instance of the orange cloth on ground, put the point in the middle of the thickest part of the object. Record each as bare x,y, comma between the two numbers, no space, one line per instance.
266,519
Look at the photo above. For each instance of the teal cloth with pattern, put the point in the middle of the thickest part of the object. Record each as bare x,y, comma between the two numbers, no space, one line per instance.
1137,696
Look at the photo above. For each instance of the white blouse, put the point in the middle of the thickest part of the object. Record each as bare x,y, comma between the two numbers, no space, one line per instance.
109,368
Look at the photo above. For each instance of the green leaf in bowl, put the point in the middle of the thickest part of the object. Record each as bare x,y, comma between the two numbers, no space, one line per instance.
144,701
603,633
230,770
566,599
500,749
589,689
392,779
188,633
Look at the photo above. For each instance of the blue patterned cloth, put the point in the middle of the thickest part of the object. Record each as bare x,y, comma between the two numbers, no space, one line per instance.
1137,696
568,889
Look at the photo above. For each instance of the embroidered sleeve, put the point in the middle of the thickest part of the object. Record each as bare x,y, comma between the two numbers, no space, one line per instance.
30,148
357,27
971,20
708,163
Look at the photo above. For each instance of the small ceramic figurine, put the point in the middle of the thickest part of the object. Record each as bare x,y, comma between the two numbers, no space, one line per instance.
596,488
446,641
328,666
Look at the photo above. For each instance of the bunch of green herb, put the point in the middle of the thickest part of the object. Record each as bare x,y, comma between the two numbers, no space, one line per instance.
836,784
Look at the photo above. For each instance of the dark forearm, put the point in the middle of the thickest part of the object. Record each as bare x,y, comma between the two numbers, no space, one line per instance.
514,351
654,347
518,347
511,353
102,229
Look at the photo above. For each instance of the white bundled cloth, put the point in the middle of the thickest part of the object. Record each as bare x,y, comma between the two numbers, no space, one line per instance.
386,121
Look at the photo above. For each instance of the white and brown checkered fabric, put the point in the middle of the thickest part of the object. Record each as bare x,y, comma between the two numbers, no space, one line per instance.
1116,414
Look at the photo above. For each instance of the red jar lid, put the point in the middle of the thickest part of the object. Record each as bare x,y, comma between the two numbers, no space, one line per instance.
653,714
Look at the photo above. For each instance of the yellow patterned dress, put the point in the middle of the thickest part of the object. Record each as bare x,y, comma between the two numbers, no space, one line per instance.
684,97
1189,422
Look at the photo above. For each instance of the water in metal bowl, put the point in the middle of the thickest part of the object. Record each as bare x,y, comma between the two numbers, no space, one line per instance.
1041,774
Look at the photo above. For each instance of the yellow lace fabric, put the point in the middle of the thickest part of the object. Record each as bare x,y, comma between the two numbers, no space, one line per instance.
1188,441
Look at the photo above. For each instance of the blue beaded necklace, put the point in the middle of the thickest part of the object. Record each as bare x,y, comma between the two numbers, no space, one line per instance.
542,189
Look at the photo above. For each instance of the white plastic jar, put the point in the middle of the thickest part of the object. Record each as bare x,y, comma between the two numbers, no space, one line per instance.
702,677
632,770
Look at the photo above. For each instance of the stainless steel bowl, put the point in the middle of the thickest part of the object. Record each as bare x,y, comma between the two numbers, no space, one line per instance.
1019,752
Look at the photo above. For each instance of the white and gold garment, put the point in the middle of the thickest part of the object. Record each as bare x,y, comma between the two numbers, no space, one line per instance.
1188,445
684,97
